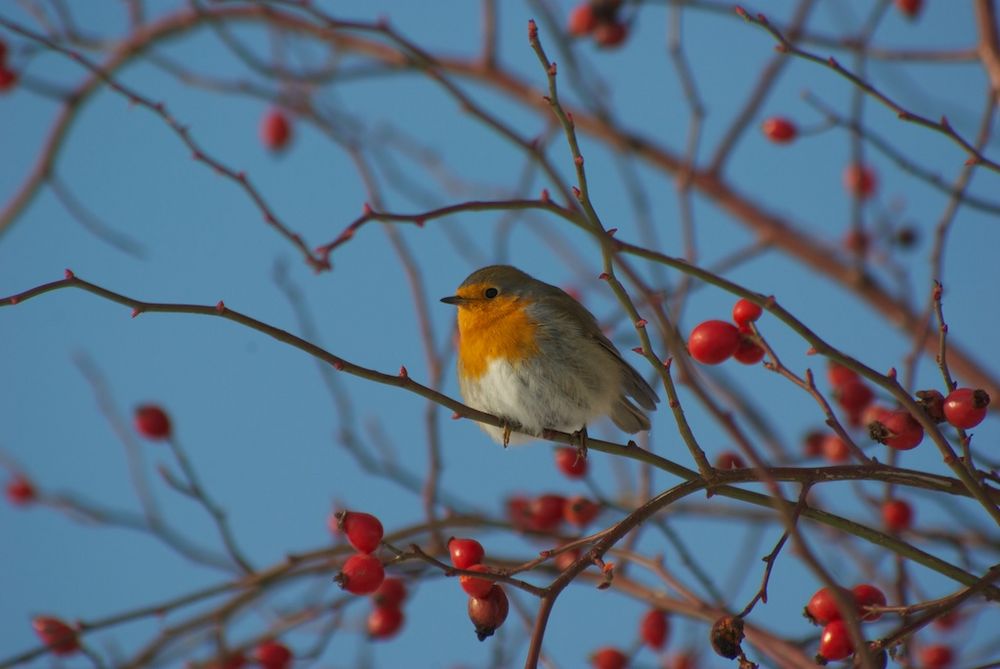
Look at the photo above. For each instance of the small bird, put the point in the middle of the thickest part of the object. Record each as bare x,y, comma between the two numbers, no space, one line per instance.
532,355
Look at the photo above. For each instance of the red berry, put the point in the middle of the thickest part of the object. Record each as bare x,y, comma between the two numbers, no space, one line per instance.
465,552
272,655
779,130
712,342
860,181
608,658
948,621
362,574
152,422
897,515
745,311
571,463
835,449
363,530
686,660
866,595
654,628
3,52
473,586
748,351
854,396
822,608
580,511
566,559
392,592
936,656
234,661
60,638
838,375
8,78
610,34
519,513
729,460
547,511
582,20
966,407
20,492
835,642
384,622
903,432
275,130
910,7
488,613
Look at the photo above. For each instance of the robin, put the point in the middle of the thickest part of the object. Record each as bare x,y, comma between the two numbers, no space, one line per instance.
532,355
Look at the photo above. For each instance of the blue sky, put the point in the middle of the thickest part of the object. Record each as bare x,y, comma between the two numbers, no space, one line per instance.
255,416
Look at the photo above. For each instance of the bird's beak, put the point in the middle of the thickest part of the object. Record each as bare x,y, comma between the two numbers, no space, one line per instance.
454,299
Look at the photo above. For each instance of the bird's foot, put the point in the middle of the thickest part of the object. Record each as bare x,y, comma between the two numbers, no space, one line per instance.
581,447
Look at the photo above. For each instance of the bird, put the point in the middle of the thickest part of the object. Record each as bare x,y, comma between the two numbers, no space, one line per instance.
536,358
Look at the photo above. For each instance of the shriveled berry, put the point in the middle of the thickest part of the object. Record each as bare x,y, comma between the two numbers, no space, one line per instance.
779,130
60,638
712,342
608,658
860,181
580,511
897,429
936,656
966,407
152,422
865,595
272,655
465,552
362,574
275,130
897,514
20,491
835,642
473,586
582,20
726,636
571,463
363,530
654,629
384,622
392,592
932,402
488,613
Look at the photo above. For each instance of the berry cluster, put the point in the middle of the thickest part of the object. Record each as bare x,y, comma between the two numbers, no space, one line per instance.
835,642
488,605
598,19
546,512
713,342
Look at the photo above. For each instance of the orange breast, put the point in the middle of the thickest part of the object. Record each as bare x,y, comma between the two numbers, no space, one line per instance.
489,329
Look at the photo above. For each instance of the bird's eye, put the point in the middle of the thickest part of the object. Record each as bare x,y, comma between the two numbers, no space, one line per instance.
491,292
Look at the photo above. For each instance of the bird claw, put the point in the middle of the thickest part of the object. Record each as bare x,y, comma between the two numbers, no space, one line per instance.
506,434
581,448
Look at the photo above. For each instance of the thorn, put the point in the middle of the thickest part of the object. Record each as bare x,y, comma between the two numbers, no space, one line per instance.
603,276
338,365
14,300
667,363
366,210
944,123
833,62
742,13
578,161
136,312
638,349
576,193
552,69
69,275
456,416
403,374
241,176
220,307
532,29
419,221
891,373
971,161
545,196
811,351
641,323
612,231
